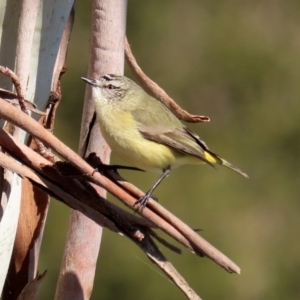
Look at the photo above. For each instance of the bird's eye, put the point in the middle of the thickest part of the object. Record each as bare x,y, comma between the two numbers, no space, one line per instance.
110,87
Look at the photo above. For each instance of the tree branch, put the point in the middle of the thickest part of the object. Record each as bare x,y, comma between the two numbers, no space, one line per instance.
157,92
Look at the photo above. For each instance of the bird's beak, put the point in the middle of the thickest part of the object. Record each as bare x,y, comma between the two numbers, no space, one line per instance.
92,82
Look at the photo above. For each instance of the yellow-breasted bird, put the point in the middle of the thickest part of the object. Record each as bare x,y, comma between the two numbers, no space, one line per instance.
144,132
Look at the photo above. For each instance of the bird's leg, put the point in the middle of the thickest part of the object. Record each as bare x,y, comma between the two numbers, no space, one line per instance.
142,202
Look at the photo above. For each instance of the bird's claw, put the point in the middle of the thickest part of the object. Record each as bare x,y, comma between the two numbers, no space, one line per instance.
143,201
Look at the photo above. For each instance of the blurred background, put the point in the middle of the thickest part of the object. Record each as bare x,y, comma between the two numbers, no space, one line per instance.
237,62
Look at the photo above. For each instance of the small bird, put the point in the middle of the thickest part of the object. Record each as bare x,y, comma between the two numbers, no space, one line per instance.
144,132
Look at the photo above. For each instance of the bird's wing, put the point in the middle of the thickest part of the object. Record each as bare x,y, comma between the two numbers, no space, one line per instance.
165,128
197,139
180,139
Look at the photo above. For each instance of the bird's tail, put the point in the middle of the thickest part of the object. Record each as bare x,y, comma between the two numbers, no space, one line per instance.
213,158
232,167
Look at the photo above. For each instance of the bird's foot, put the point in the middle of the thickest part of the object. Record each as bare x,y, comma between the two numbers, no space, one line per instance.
143,201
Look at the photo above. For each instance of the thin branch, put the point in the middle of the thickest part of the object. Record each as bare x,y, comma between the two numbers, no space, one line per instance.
157,92
13,99
16,82
156,256
22,102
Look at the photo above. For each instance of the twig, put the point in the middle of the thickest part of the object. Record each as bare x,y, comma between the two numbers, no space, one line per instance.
22,102
157,92
48,123
13,99
155,255
15,80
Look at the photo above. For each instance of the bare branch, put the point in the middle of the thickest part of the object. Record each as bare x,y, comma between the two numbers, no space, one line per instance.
15,80
155,255
157,92
13,99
